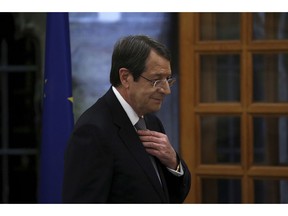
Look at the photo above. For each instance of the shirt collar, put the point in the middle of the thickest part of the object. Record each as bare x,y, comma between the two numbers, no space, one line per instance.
128,109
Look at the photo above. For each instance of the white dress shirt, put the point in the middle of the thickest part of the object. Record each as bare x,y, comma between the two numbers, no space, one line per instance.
132,115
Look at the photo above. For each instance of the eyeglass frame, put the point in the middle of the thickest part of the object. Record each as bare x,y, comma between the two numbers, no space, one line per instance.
154,82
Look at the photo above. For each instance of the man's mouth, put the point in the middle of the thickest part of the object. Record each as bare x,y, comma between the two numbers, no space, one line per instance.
158,99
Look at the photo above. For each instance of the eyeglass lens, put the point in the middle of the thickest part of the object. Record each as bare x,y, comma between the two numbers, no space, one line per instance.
159,83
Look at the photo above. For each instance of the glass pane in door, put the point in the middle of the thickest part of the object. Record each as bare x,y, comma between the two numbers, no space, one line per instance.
221,190
270,26
220,78
271,190
220,139
220,26
270,77
270,141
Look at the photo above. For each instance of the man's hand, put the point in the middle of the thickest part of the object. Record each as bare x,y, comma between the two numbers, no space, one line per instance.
158,145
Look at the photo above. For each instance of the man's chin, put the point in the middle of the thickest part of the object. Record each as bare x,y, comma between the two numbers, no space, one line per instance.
156,108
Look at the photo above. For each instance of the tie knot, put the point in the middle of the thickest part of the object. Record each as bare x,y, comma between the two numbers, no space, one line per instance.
140,125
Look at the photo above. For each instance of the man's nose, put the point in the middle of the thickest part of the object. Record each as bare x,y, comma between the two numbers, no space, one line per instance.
165,88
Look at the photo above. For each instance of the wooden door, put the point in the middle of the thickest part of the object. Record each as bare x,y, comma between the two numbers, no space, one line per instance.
234,106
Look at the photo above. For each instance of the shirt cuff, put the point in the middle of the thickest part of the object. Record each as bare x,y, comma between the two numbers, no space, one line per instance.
174,172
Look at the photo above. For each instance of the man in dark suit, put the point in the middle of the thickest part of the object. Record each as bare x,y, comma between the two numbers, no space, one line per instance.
111,158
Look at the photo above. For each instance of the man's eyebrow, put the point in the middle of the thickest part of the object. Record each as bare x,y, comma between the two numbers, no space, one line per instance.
160,75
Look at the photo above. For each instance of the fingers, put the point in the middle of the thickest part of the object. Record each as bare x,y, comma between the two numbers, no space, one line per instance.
158,145
152,146
166,156
150,133
153,139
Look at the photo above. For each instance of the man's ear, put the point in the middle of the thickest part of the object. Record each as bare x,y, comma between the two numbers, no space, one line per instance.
124,75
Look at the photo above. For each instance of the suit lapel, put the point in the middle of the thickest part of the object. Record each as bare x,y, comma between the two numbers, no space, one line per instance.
153,126
163,180
133,143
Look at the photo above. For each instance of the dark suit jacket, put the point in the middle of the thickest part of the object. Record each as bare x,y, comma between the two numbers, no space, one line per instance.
106,162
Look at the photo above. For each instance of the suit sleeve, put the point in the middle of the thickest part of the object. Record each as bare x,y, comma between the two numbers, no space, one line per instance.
86,180
178,186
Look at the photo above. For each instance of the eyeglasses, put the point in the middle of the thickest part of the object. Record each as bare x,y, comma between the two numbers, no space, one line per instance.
160,83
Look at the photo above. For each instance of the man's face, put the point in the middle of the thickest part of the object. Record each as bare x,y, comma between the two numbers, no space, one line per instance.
142,96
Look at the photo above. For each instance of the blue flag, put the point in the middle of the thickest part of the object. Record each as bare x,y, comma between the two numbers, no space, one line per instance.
57,119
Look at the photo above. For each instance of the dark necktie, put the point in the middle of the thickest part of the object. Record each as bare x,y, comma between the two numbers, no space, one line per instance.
141,125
